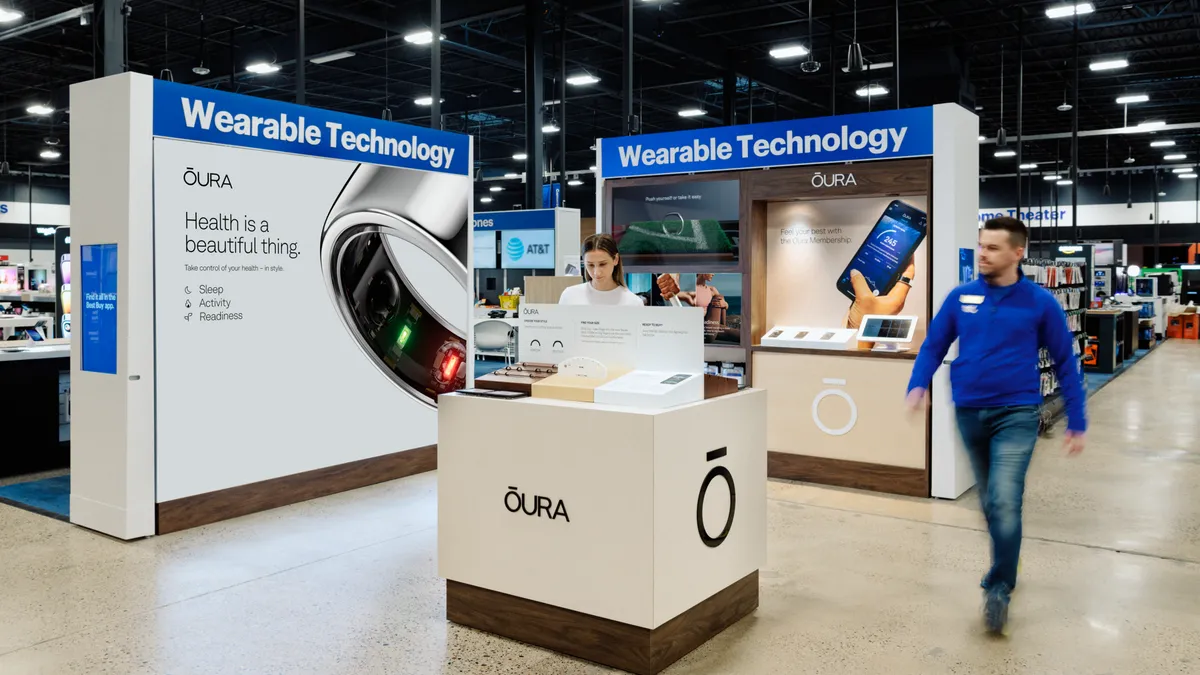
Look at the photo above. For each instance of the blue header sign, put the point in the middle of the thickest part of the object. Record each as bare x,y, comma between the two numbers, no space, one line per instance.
889,134
98,320
525,219
212,116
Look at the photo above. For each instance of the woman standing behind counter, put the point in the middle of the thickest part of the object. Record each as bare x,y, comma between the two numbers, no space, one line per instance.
603,278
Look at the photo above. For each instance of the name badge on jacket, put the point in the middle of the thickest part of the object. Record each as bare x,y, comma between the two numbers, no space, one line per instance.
970,303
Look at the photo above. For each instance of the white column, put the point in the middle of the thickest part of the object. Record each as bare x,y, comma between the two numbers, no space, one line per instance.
112,416
955,225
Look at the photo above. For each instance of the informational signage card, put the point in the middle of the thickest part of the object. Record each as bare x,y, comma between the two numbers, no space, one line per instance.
98,320
636,338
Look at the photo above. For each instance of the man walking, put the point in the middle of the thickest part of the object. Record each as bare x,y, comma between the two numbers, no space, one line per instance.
1001,320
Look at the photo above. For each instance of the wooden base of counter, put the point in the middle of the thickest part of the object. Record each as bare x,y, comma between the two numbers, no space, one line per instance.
637,650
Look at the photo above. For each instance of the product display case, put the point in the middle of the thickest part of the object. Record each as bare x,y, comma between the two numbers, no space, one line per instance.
820,246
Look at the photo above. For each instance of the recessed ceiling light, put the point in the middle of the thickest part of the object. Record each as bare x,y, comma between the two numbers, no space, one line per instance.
330,58
582,78
1154,124
550,128
520,156
1052,177
1132,98
39,109
50,153
1182,169
1064,182
427,100
10,15
574,182
1028,166
1175,156
872,90
1109,64
422,37
262,68
1162,194
1162,144
1130,160
553,102
789,51
512,174
983,138
496,188
1061,11
1005,153
1187,175
592,167
692,112
486,200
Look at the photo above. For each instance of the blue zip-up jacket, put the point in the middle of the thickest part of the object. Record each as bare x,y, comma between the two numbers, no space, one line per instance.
1000,329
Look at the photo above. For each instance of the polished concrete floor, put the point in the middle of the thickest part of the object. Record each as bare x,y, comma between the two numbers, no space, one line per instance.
856,583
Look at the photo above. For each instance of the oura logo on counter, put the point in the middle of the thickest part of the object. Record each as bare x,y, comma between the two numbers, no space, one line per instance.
828,180
525,311
534,505
709,540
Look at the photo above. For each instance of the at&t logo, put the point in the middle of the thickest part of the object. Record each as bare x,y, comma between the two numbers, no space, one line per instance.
515,249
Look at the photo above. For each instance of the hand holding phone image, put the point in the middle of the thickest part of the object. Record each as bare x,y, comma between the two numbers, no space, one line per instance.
866,302
886,251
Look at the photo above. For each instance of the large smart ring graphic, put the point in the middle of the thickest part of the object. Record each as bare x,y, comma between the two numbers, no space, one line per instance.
709,540
816,408
386,310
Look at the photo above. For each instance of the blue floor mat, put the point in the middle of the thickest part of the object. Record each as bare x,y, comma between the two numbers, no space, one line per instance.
1095,381
49,497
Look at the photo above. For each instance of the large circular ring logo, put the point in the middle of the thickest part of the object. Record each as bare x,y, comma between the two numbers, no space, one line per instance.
710,541
816,408
515,248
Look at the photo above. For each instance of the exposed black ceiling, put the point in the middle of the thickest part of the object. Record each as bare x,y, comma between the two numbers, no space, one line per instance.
964,51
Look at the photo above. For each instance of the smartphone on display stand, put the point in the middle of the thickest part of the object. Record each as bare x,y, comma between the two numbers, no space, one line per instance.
887,250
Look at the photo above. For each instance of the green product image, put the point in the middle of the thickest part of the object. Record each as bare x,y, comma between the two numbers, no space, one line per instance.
676,237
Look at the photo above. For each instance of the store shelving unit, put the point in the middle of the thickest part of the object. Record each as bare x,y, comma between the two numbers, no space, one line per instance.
1066,281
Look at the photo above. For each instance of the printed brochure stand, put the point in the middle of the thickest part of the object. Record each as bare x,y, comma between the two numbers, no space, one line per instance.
794,207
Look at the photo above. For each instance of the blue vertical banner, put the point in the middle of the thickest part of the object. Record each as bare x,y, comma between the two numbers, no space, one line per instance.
551,195
98,320
966,265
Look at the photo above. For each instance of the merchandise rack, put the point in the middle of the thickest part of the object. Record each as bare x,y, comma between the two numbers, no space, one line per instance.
1063,280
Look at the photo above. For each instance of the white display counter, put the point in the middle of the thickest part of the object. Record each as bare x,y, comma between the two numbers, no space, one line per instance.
624,536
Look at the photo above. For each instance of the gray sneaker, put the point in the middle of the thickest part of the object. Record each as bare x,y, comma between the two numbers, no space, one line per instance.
995,608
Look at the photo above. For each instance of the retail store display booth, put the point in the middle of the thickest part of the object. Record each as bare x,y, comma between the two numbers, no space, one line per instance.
270,299
844,233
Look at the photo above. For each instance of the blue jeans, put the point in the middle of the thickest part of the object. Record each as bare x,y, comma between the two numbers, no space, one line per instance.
1000,444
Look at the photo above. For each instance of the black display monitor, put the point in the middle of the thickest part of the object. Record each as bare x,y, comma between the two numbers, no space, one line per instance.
693,223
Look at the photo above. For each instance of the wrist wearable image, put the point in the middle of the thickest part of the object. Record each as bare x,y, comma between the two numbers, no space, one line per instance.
385,308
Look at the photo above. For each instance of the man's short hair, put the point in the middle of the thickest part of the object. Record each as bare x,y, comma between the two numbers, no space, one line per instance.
1017,234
